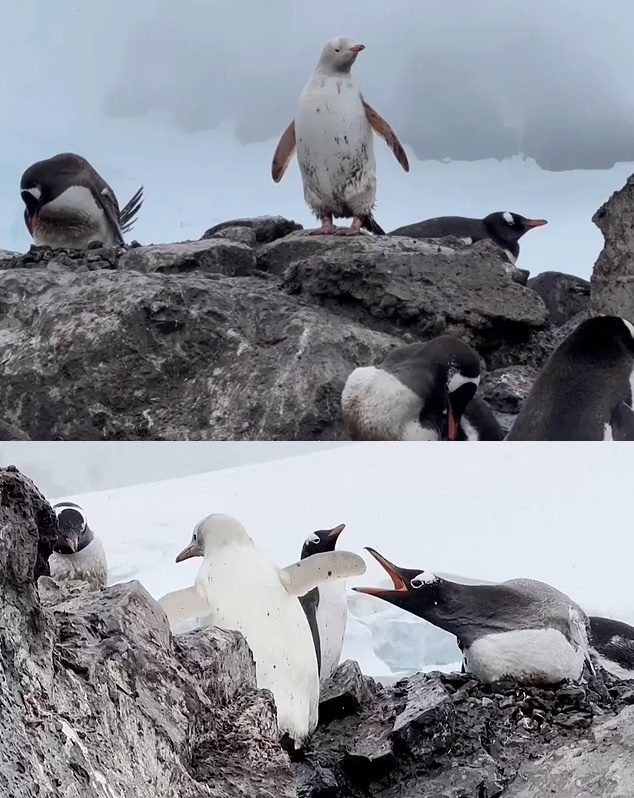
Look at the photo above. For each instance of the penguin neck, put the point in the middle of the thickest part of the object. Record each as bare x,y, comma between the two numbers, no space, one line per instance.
85,539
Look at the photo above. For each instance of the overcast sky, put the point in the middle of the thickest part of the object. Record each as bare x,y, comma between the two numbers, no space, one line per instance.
62,469
140,88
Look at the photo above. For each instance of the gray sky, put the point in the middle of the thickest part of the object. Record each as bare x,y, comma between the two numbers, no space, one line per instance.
61,469
457,79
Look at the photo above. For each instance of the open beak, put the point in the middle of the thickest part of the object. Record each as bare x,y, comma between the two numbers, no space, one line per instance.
391,570
334,533
356,48
71,543
535,222
193,550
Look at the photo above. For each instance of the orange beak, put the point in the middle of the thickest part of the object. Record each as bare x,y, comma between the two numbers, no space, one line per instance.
334,533
356,48
535,222
391,571
452,426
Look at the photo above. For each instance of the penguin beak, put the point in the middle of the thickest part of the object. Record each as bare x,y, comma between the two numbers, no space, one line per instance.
392,571
535,222
334,533
71,543
193,550
452,425
356,48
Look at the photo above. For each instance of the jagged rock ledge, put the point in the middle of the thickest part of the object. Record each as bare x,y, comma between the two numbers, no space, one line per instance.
250,332
100,700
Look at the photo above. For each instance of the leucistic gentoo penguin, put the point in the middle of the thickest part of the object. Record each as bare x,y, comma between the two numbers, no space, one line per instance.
78,555
332,132
69,205
326,606
614,643
502,227
237,588
521,629
584,391
420,392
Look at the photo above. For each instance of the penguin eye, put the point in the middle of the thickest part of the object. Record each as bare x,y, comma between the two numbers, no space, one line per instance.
416,583
336,49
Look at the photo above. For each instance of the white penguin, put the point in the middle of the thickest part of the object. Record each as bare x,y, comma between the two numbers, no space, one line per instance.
333,134
238,589
78,555
326,606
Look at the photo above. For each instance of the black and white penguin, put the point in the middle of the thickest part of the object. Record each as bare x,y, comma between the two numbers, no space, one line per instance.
502,227
69,205
521,629
78,555
584,391
614,643
420,392
326,606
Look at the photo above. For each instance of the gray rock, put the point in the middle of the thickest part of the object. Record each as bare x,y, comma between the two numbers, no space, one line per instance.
612,282
564,295
344,692
266,228
247,334
99,701
213,255
505,390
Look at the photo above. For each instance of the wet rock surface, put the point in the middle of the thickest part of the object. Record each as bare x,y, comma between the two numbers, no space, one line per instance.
447,736
248,333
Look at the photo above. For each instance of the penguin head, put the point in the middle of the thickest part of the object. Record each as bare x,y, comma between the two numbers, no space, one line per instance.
213,533
321,541
339,55
73,533
454,376
510,227
412,588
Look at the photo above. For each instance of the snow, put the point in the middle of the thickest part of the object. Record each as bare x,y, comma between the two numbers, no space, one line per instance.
473,514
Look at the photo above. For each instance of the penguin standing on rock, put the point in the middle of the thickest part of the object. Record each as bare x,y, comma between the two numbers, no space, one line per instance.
520,629
420,392
78,555
69,205
502,227
326,606
584,392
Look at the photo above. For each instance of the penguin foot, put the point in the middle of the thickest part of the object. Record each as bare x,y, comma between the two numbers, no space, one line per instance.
355,227
327,227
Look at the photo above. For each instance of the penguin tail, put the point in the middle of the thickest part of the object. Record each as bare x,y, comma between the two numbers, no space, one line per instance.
369,223
128,214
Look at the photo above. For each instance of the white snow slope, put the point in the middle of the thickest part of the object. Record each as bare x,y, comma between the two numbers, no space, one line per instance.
489,513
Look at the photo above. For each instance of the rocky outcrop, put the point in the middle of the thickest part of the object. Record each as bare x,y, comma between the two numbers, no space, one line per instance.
447,736
247,334
99,700
565,295
612,283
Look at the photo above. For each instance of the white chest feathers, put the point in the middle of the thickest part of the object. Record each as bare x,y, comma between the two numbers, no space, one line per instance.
244,593
332,615
87,565
72,216
530,656
377,406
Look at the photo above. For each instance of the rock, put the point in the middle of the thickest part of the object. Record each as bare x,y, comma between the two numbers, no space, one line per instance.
248,334
211,256
8,432
505,390
612,282
266,228
98,699
405,285
564,295
344,693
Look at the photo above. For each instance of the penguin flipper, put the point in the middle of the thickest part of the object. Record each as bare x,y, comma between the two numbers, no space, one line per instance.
181,605
304,575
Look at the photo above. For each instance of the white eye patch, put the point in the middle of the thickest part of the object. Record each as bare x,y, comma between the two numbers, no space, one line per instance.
35,191
423,578
312,539
508,217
